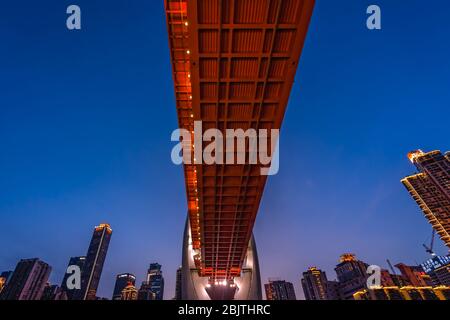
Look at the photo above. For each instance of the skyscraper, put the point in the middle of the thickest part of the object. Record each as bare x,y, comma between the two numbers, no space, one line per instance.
438,268
93,266
279,290
28,280
403,293
53,292
413,275
333,290
122,280
5,276
178,285
430,188
145,292
74,261
155,281
129,292
351,274
314,284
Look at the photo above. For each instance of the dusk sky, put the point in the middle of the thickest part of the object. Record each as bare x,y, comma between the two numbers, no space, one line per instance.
86,118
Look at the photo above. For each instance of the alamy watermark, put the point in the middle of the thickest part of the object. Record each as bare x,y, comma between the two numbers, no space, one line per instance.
234,146
74,280
374,20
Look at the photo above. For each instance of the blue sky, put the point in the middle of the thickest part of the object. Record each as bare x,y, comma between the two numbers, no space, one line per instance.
86,118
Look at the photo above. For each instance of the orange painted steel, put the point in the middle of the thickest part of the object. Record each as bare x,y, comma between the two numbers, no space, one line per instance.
234,63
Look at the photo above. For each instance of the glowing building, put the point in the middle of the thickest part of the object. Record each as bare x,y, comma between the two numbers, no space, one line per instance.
314,284
430,188
93,265
279,290
404,293
122,280
351,274
129,292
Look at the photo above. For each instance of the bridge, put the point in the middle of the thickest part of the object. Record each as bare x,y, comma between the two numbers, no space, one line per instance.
233,64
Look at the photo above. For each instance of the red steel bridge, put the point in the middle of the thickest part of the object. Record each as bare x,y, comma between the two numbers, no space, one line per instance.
234,63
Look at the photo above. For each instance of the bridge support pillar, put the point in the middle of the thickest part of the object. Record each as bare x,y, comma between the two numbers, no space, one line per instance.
194,287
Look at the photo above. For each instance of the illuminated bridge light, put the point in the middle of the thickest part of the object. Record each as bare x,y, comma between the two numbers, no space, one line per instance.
233,68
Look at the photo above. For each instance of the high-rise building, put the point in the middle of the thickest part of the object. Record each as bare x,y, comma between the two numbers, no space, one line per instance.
351,274
5,276
314,283
155,281
279,290
413,275
178,295
403,293
145,292
430,188
438,268
129,292
387,279
28,280
122,281
93,266
74,261
333,290
53,292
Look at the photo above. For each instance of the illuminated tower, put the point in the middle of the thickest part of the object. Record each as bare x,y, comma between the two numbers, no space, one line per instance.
351,274
122,281
129,292
93,266
5,276
279,290
430,188
314,284
155,280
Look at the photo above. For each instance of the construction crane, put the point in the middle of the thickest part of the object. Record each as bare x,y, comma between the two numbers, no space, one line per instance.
429,249
396,279
391,267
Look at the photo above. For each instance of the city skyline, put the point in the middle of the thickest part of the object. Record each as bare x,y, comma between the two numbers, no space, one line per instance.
349,271
92,160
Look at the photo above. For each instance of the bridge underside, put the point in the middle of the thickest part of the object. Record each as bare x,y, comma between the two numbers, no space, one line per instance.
234,63
245,287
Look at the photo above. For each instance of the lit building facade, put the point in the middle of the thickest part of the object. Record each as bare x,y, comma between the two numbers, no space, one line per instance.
129,292
5,276
314,284
279,290
155,281
404,293
93,266
438,268
414,275
430,188
28,280
122,281
153,287
351,274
